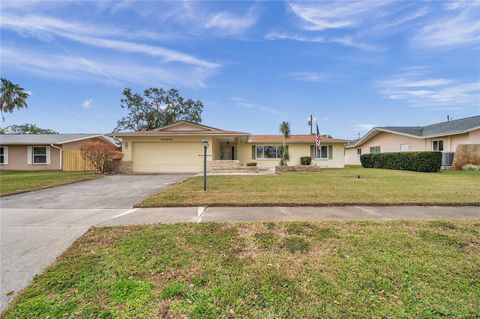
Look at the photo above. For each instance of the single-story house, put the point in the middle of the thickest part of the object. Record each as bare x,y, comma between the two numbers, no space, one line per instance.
444,137
178,148
46,151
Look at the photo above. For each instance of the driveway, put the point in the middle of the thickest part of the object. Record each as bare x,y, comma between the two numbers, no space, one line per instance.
36,227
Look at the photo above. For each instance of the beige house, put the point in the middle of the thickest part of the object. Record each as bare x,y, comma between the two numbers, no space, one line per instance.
444,137
178,148
46,151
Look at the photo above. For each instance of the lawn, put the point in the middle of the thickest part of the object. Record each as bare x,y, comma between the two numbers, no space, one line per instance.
347,186
13,182
264,270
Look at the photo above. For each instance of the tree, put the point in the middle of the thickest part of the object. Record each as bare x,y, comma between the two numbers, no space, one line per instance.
101,155
285,130
156,108
12,97
26,129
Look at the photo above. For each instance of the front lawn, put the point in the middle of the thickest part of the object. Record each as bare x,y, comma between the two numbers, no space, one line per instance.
347,186
13,182
264,270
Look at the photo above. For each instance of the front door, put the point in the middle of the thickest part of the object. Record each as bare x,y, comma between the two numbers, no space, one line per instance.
227,153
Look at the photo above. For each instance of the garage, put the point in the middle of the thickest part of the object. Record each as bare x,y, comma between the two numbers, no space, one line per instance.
159,157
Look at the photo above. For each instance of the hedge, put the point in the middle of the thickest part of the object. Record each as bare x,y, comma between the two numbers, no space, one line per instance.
409,161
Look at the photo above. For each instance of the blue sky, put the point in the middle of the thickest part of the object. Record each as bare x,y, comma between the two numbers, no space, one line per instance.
253,64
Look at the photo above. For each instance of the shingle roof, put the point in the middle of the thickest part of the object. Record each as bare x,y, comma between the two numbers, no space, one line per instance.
43,139
179,132
291,140
443,128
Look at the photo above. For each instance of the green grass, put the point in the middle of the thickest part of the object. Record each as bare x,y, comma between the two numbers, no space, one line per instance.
13,182
328,187
264,270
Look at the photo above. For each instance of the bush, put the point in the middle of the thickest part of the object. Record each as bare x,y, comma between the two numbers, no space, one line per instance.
305,160
409,161
252,164
104,157
471,167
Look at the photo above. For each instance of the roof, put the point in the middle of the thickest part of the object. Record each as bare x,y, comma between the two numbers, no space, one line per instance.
182,128
438,129
42,139
293,139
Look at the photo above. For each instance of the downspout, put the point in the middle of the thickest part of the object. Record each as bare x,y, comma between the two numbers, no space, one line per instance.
61,157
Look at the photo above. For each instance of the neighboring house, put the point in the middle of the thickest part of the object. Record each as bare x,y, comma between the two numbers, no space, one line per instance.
178,148
444,137
45,151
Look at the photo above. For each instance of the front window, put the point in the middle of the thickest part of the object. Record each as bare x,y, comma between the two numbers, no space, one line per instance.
374,149
268,152
404,147
3,155
437,145
39,155
359,151
322,152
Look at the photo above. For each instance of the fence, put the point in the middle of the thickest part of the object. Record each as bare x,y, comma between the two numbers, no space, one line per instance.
73,161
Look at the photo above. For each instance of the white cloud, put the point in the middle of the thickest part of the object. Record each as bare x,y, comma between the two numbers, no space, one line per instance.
458,26
363,127
105,70
307,76
435,93
87,103
232,24
245,103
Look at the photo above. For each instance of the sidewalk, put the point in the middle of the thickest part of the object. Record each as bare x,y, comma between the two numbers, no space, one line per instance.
257,214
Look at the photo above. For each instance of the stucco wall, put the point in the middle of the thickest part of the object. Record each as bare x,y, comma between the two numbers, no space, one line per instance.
17,159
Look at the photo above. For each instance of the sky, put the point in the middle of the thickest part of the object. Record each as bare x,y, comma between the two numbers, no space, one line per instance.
351,64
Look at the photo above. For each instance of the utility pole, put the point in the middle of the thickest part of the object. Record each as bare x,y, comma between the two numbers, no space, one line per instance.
310,123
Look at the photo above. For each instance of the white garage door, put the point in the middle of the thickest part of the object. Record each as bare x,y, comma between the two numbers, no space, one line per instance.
167,157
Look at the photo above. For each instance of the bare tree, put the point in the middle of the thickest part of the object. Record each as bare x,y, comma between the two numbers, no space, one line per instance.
101,155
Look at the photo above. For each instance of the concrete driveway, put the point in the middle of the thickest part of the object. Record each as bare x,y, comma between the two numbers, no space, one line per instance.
36,227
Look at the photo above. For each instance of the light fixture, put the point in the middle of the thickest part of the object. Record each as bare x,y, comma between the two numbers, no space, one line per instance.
205,143
126,145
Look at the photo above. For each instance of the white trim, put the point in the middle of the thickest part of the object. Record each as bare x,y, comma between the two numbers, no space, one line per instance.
60,151
359,148
5,155
317,150
379,148
29,155
403,144
86,138
47,155
443,145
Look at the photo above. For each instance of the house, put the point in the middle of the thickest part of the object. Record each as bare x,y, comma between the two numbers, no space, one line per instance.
178,148
46,151
444,137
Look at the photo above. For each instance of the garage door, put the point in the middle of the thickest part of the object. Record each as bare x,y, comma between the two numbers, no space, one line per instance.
167,157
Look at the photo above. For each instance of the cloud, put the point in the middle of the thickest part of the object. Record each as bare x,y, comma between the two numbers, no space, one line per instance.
307,76
245,103
231,24
46,28
434,93
458,26
107,70
87,103
363,127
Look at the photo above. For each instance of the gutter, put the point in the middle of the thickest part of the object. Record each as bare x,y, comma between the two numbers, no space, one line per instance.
61,155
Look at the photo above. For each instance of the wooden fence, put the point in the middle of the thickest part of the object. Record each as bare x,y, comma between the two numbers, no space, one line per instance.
73,161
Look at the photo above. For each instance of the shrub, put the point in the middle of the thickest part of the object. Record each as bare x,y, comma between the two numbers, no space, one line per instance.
409,161
103,157
252,164
471,167
305,160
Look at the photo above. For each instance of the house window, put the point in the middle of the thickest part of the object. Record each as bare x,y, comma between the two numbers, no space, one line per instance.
268,152
404,147
374,149
39,154
437,145
359,151
3,155
322,152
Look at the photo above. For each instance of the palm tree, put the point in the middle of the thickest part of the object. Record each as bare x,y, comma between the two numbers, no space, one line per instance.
12,97
285,130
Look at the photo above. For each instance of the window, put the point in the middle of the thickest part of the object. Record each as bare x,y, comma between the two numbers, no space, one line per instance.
359,151
437,145
322,152
404,147
268,152
374,149
4,155
39,154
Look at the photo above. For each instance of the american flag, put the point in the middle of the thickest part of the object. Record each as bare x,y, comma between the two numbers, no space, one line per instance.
317,139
